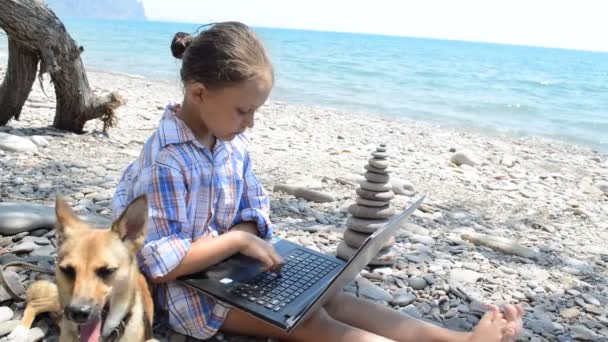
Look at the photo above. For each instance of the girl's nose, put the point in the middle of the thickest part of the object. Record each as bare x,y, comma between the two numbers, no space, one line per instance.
249,120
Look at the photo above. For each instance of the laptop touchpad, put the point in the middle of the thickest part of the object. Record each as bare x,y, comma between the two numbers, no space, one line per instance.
238,268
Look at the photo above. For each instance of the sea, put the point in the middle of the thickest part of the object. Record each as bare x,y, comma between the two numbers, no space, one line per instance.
505,89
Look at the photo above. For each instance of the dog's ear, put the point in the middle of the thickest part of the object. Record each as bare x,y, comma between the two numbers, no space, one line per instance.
131,225
67,222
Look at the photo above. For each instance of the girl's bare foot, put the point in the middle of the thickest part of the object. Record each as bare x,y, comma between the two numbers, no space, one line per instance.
491,328
514,315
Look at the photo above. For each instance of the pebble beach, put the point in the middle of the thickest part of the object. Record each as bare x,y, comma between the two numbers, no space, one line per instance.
507,219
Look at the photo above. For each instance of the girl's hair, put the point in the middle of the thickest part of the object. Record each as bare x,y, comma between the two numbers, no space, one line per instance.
221,55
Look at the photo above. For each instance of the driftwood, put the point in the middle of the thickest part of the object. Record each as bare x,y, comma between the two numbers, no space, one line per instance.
37,37
500,244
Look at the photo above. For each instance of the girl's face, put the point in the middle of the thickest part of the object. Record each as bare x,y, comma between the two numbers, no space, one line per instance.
229,111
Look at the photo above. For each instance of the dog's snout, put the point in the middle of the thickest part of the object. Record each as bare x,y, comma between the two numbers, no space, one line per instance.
78,313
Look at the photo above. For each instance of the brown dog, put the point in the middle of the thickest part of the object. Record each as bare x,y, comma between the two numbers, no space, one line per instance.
100,293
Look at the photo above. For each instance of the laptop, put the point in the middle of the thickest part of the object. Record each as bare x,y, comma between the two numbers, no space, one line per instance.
307,280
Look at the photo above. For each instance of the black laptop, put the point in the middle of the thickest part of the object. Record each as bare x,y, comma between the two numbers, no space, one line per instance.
307,280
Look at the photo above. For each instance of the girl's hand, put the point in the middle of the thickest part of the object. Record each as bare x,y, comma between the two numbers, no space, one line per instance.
254,247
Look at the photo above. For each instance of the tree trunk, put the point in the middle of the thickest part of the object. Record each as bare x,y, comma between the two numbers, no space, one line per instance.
37,35
21,73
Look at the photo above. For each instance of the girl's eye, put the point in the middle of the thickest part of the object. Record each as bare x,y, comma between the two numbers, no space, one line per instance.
242,112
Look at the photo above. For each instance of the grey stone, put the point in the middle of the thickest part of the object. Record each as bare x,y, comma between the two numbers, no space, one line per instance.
6,313
457,323
461,158
22,247
304,193
411,311
14,282
402,297
14,143
376,177
380,155
384,258
22,217
364,225
8,326
417,283
377,187
581,332
369,290
378,163
590,299
361,211
376,195
377,170
370,203
39,141
355,239
463,276
404,188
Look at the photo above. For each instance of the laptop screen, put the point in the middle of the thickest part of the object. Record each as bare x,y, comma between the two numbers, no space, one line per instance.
366,253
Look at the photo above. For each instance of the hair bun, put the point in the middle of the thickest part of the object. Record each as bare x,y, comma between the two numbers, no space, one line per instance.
180,43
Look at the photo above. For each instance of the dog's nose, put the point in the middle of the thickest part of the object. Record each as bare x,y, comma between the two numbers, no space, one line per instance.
78,313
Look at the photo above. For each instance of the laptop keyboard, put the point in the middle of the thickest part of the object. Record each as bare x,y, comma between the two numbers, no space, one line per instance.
273,291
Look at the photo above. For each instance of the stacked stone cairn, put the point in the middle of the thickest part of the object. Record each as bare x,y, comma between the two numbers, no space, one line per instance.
371,211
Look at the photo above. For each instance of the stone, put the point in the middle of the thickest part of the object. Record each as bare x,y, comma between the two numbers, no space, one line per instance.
369,290
8,326
370,203
417,283
462,276
304,193
370,168
500,244
14,282
402,297
384,258
569,313
379,163
376,177
16,218
461,158
381,148
14,143
364,225
415,229
377,213
404,188
581,332
376,195
6,313
380,155
378,187
355,239
590,299
40,141
603,186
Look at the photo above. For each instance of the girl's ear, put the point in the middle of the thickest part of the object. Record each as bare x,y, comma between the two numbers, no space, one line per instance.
198,92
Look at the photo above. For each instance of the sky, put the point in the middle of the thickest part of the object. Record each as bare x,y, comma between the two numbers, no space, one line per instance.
571,24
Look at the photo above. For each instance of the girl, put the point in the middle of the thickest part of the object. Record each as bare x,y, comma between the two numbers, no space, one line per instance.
205,204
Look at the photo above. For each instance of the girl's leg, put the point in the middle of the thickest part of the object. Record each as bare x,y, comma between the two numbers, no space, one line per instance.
319,327
383,320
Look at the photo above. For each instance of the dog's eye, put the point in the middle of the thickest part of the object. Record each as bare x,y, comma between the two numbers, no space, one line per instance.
105,272
69,271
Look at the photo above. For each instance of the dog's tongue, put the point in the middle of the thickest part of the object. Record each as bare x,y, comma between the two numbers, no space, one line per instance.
90,332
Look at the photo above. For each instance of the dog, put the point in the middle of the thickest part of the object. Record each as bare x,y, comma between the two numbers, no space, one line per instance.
100,294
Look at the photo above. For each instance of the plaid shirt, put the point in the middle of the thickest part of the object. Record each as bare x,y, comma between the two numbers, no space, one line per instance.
192,193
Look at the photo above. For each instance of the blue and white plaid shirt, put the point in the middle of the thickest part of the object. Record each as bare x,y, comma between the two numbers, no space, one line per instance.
192,193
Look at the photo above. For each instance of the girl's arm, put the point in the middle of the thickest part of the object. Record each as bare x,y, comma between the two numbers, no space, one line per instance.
254,205
206,252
